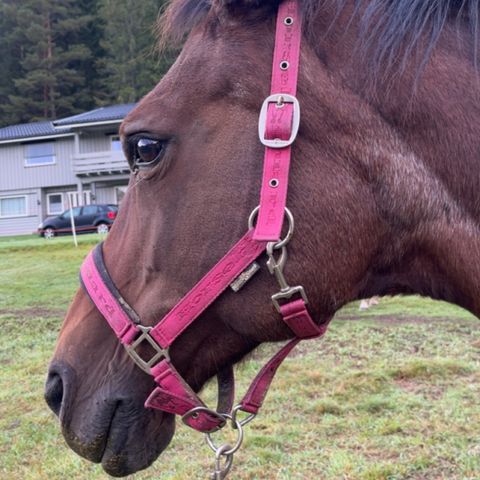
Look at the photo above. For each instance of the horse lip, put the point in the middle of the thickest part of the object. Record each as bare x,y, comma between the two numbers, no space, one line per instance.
93,450
134,457
113,448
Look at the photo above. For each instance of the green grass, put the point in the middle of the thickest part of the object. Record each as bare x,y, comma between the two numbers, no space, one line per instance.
392,393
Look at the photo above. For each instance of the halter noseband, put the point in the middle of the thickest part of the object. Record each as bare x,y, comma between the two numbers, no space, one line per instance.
278,126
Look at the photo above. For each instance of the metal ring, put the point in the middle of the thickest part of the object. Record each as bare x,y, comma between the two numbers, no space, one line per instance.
288,21
284,65
291,226
274,182
243,422
237,444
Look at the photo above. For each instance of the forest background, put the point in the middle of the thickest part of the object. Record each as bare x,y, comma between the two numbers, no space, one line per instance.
62,57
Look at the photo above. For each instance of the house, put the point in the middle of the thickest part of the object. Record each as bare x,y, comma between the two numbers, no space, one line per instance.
46,167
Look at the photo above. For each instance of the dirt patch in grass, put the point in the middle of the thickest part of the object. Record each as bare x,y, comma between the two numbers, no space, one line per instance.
33,312
427,391
428,368
400,320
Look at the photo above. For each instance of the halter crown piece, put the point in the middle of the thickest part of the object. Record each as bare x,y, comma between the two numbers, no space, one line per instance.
278,126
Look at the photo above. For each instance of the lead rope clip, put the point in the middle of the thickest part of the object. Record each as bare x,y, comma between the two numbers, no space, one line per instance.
221,471
226,451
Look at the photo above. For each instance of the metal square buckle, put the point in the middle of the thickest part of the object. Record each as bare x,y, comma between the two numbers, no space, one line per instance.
287,294
279,99
146,365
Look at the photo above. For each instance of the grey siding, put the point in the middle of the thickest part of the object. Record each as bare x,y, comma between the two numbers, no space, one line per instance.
25,224
16,175
92,142
105,195
36,182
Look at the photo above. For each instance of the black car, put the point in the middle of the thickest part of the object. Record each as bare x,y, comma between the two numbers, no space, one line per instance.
89,218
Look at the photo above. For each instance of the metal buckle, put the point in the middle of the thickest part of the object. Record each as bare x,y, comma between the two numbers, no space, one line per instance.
288,293
275,267
280,99
146,365
193,413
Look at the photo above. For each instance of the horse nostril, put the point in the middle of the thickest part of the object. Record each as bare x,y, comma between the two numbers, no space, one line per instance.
54,392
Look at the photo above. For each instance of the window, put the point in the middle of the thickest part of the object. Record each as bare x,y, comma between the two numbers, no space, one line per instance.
55,203
90,210
115,143
76,212
39,154
13,206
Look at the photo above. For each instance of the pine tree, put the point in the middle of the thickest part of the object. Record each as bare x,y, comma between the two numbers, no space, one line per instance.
10,58
60,57
52,54
131,67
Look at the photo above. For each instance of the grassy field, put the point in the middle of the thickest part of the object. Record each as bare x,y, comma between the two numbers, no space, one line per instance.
392,393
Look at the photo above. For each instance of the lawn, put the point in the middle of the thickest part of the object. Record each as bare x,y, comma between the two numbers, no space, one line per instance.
391,393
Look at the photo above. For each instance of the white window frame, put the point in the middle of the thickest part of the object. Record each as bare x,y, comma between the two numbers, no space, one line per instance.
49,212
77,200
15,216
54,156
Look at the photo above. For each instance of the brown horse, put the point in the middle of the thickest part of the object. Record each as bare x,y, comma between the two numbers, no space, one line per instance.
384,188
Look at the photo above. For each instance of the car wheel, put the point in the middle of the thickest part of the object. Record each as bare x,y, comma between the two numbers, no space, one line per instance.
49,233
102,228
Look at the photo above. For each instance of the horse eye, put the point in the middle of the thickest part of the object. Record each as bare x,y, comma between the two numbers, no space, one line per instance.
148,152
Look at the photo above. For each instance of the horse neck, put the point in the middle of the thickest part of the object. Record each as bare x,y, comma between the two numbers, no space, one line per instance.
416,150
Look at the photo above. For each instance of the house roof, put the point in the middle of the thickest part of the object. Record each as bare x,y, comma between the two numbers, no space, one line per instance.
30,130
99,115
64,126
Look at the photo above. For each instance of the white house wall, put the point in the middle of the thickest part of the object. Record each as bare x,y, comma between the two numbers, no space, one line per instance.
15,175
24,224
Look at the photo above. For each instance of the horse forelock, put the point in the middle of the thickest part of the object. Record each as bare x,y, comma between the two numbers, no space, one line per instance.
391,32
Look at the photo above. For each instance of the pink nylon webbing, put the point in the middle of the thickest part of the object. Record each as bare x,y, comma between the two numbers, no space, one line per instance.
239,257
106,303
286,58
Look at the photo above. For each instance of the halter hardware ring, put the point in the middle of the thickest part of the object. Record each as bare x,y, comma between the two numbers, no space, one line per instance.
236,426
243,422
146,365
194,412
291,226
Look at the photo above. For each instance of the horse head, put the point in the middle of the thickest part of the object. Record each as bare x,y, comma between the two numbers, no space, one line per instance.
370,190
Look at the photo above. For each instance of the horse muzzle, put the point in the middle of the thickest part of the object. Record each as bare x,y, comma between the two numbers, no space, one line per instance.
116,431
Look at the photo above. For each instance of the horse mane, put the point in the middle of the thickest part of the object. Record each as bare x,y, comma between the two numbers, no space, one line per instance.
390,30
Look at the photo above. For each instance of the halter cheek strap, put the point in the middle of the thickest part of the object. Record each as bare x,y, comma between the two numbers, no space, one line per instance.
278,127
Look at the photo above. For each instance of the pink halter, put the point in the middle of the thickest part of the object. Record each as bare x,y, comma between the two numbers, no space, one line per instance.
278,127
